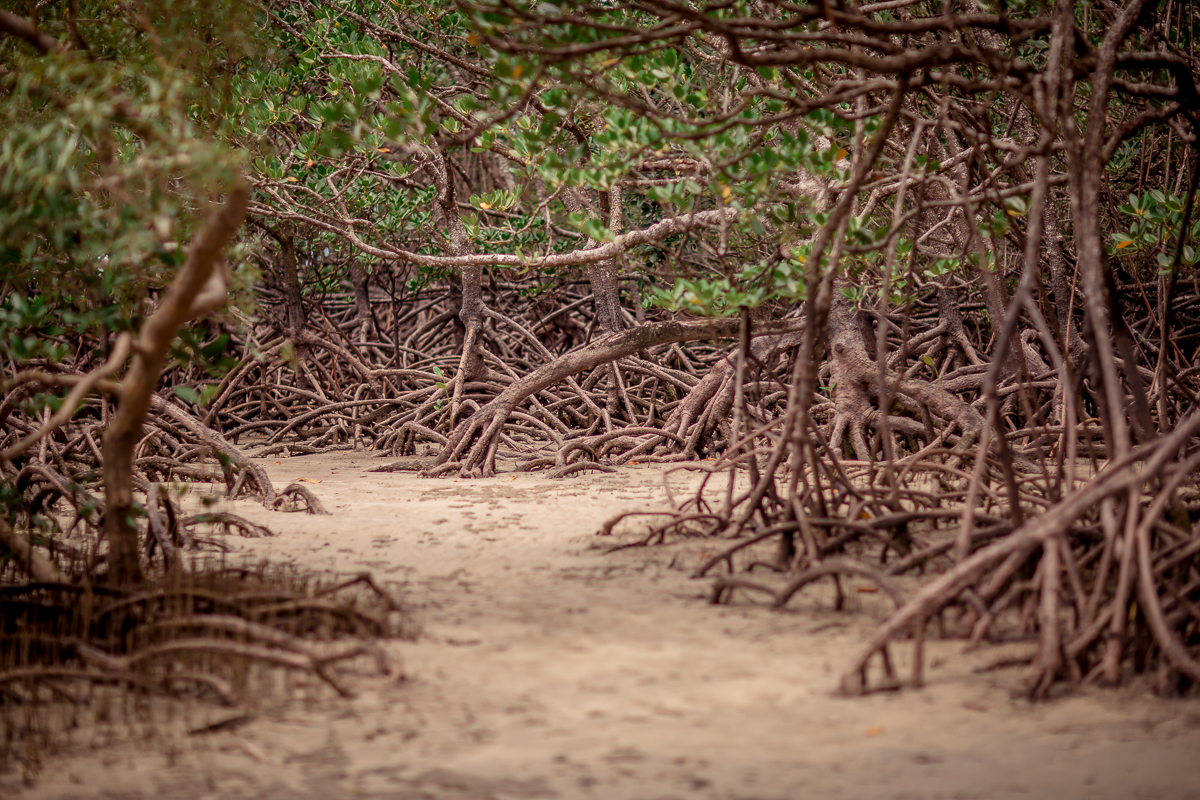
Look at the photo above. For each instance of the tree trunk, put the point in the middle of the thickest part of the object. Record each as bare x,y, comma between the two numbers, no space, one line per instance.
950,315
362,302
190,295
470,312
856,380
602,274
282,275
289,278
1060,284
847,354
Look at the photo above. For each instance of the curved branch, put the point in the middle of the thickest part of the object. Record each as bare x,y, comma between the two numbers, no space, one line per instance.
612,249
23,29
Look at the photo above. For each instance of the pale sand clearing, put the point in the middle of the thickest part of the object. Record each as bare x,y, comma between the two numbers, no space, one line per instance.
548,668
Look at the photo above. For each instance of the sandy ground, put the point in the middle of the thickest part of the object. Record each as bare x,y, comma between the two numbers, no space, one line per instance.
548,668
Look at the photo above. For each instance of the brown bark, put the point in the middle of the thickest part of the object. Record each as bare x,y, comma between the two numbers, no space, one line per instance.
1055,257
856,379
362,302
708,402
1118,476
150,350
1084,154
489,420
293,298
847,357
602,274
1060,284
28,31
955,335
282,274
471,307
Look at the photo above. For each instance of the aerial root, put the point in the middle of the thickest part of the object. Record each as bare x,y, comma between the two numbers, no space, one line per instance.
296,497
189,633
229,523
723,586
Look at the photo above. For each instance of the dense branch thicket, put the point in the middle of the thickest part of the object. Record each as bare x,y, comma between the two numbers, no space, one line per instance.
922,275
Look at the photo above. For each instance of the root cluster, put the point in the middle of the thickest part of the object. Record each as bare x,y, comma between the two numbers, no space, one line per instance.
1041,536
209,633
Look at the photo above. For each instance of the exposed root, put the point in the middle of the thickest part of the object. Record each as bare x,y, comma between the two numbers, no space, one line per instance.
723,586
229,522
187,634
296,497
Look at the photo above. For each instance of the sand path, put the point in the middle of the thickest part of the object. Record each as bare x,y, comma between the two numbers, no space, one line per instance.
548,668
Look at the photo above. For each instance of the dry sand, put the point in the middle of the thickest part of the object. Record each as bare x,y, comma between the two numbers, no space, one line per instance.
548,668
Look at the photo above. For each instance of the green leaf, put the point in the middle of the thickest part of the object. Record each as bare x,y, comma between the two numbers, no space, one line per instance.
187,394
595,229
